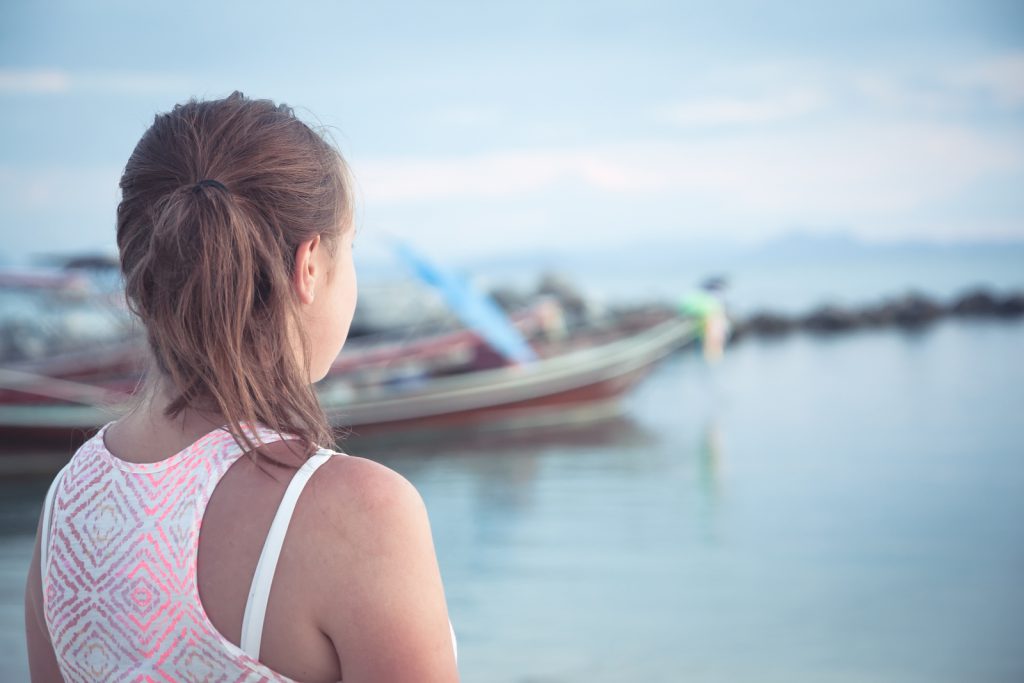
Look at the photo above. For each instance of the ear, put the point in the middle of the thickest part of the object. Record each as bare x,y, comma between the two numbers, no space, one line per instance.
307,270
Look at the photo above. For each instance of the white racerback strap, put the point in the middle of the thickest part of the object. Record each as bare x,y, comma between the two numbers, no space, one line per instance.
44,539
259,592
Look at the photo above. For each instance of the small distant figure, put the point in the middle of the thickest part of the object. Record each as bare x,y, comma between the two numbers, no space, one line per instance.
708,305
552,319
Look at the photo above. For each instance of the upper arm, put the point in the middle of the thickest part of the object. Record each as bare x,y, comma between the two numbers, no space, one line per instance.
42,660
389,621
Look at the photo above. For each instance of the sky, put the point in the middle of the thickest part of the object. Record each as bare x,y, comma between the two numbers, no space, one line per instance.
479,128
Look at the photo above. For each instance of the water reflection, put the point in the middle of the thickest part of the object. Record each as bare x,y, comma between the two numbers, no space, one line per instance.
709,457
613,432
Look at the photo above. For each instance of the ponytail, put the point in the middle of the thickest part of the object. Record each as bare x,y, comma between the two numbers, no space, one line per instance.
208,263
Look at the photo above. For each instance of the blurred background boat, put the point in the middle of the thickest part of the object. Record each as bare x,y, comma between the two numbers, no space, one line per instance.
542,364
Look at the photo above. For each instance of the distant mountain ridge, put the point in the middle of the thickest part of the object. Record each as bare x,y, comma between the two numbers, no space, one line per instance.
796,246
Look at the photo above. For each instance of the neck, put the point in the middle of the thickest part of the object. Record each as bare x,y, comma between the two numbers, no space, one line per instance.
193,419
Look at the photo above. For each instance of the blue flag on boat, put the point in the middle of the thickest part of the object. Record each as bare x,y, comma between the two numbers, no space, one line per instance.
476,309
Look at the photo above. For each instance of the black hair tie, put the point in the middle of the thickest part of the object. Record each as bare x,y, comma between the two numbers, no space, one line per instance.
210,182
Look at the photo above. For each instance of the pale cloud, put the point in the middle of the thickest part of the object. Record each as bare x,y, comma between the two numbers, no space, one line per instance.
60,81
39,189
943,230
480,176
716,111
888,94
881,152
19,81
850,171
959,89
1001,78
467,115
763,94
845,169
868,176
58,209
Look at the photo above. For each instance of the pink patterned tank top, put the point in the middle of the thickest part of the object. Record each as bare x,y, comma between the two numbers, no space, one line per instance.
119,550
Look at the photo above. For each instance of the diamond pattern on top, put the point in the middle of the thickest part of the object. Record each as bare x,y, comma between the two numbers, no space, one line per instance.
119,591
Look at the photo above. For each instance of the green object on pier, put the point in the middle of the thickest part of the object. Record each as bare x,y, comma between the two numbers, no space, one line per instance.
699,304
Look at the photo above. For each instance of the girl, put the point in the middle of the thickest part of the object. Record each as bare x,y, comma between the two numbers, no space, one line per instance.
162,552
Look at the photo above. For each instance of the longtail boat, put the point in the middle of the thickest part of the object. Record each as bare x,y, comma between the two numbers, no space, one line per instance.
570,382
450,381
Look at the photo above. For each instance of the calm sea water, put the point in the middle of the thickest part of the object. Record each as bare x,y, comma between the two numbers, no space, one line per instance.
840,509
811,509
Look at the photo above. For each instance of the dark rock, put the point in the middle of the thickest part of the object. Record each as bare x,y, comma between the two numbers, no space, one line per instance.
911,310
764,322
829,318
1011,306
884,314
976,302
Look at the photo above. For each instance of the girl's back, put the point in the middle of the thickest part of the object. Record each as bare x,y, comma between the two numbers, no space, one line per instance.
201,537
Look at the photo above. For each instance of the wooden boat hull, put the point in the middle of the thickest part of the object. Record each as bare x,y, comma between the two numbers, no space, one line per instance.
580,385
577,386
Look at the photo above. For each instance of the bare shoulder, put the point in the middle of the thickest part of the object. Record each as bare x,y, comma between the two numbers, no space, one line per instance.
357,508
355,491
383,600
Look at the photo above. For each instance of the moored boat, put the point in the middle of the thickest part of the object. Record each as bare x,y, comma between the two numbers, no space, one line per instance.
576,379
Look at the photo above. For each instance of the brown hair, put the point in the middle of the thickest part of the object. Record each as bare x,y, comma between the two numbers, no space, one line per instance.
208,265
